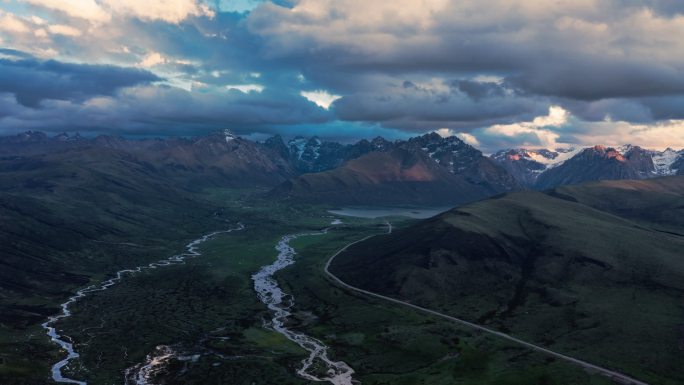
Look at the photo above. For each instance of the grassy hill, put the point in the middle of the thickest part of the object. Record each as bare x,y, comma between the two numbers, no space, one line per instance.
595,271
69,218
656,202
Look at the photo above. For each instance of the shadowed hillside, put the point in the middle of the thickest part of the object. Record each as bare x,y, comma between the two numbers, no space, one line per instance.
71,217
586,270
427,170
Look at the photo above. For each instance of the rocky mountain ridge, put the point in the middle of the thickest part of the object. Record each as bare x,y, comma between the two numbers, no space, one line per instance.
426,170
223,158
543,168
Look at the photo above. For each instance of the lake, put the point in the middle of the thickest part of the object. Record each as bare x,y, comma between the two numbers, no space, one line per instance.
378,212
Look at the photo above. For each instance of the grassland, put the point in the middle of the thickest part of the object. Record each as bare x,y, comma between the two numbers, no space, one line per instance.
208,309
591,271
66,225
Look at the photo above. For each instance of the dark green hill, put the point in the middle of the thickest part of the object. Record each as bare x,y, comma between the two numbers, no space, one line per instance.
658,202
69,218
586,270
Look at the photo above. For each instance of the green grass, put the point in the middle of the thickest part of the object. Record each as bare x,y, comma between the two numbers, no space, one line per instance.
389,344
574,277
208,307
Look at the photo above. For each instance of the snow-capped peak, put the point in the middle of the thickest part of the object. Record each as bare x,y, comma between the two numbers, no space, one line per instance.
563,155
229,135
663,161
548,158
305,149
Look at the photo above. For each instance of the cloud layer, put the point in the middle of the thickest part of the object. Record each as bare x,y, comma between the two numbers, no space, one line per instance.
32,81
487,71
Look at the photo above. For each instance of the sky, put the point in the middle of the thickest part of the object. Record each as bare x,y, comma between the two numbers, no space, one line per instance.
499,74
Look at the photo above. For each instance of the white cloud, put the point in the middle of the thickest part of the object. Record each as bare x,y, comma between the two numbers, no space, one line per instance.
62,29
464,136
82,9
171,11
660,135
527,135
38,20
40,33
152,59
322,98
45,52
468,138
536,133
545,132
488,79
444,132
557,117
246,88
10,23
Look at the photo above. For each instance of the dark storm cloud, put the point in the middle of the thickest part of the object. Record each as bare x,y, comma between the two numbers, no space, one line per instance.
15,53
558,52
32,81
595,78
668,8
479,90
665,107
613,109
457,104
216,53
407,65
163,110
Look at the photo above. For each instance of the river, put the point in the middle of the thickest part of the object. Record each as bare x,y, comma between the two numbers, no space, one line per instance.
65,342
280,304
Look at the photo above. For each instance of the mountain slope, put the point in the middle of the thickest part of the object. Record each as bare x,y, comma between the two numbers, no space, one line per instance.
55,206
69,218
586,270
379,178
656,202
427,170
218,159
541,168
526,165
597,163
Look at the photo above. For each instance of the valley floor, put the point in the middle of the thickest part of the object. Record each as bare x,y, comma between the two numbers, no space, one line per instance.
206,320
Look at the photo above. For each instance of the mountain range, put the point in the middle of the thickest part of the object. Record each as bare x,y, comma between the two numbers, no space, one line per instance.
424,170
542,168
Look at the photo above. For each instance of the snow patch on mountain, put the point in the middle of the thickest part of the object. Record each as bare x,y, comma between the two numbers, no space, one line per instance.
547,158
663,161
450,152
564,154
529,164
229,136
298,145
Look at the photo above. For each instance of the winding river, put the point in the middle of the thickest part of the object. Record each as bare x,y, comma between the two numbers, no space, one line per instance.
66,343
280,303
